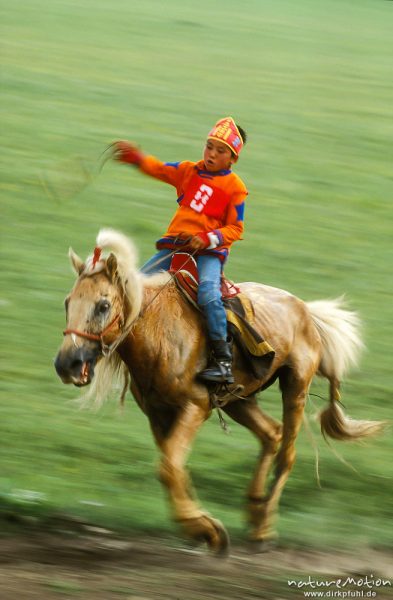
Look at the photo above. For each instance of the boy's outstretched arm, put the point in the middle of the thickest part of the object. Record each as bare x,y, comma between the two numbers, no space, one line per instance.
130,153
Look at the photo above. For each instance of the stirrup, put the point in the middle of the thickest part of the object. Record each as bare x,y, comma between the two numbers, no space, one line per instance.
221,394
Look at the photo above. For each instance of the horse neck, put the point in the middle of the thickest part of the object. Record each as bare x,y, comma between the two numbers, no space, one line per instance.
159,307
165,342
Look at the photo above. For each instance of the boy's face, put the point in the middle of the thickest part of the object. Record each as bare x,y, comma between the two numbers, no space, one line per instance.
217,156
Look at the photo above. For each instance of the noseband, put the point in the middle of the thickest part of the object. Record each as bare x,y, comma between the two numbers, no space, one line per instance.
96,337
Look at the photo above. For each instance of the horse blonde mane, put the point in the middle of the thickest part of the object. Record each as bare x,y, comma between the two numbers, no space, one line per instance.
109,373
127,264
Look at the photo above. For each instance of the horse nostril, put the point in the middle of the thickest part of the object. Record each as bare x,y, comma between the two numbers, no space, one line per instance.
66,367
76,365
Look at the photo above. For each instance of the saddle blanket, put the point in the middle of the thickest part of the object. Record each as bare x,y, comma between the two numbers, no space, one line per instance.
240,313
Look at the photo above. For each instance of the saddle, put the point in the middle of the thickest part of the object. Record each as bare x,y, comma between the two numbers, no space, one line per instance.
256,351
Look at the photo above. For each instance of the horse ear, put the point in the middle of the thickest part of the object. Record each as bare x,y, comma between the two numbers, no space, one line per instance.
76,262
111,266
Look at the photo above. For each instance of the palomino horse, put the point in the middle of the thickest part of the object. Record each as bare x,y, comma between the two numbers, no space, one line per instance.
116,316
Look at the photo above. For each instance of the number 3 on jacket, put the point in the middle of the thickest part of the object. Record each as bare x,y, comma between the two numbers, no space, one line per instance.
201,198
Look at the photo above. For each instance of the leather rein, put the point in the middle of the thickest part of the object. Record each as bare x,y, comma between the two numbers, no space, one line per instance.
96,337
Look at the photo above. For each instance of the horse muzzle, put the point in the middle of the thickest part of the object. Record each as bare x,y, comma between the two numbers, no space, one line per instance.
77,365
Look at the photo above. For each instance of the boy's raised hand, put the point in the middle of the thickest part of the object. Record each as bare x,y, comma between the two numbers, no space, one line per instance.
127,152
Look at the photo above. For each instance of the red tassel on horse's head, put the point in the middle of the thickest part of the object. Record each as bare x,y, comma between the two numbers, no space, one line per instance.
96,255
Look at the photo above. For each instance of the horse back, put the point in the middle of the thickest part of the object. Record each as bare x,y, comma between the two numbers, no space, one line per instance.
282,319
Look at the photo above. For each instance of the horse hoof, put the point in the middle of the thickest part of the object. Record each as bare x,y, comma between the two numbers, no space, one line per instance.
211,531
221,546
217,538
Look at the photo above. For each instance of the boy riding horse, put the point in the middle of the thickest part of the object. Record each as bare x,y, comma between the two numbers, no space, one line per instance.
208,220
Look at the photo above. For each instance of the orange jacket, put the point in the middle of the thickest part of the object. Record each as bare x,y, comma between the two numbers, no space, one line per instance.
209,203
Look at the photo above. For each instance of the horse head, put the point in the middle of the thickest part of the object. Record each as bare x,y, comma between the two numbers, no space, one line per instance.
101,307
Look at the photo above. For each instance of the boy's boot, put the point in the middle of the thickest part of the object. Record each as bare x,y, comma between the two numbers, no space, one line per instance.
219,369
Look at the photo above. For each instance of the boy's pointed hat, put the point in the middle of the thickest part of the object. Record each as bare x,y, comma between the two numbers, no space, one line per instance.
225,131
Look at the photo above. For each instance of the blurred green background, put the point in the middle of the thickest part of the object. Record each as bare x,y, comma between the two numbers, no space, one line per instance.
312,83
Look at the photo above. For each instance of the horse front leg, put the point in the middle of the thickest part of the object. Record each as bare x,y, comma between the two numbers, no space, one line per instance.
175,444
269,433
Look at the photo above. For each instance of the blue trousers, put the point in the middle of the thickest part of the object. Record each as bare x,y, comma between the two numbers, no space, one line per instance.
209,290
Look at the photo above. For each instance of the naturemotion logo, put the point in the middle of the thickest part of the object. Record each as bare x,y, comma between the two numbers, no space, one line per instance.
348,587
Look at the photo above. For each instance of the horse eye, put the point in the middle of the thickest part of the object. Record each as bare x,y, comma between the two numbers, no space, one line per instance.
102,307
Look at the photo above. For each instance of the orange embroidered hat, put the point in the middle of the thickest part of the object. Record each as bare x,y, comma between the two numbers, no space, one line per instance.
225,131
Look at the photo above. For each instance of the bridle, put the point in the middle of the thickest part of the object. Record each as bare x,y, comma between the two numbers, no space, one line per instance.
96,337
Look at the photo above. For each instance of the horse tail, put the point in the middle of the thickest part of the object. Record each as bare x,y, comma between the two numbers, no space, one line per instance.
339,330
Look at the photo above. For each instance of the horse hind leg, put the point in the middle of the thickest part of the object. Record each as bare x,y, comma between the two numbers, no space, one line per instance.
269,433
294,391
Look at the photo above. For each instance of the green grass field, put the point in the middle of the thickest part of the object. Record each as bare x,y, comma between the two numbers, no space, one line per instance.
311,82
